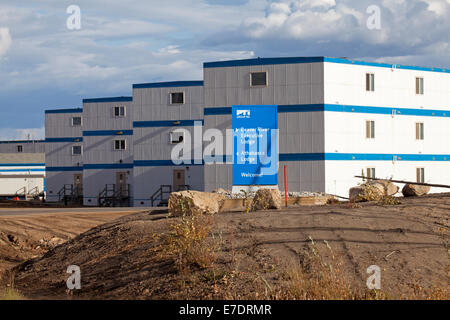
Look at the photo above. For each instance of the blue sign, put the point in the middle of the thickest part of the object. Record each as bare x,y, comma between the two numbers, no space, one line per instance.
255,145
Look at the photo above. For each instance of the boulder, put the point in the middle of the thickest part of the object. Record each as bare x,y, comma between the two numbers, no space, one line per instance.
366,192
55,241
266,199
222,191
390,189
195,202
414,190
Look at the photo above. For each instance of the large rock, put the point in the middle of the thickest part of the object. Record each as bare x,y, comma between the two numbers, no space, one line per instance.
390,189
195,202
414,190
267,199
366,192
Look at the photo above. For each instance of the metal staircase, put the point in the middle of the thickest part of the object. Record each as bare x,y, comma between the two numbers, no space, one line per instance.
111,196
163,193
71,194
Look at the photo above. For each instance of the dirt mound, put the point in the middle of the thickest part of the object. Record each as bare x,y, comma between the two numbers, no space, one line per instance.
253,253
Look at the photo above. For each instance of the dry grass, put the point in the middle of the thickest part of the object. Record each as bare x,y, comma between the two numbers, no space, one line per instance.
189,241
11,293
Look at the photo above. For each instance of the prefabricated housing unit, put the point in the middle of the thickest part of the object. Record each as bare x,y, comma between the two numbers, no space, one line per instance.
108,150
337,119
63,153
159,109
22,169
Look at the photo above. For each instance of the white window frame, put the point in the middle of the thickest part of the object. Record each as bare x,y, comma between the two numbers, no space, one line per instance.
81,122
17,148
77,154
124,111
120,149
420,175
177,132
170,97
421,87
372,131
371,87
420,131
259,85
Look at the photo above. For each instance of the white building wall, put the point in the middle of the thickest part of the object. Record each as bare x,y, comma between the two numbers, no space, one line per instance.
395,132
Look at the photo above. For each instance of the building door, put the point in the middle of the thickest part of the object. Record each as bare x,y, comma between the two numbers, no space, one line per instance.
78,184
178,180
121,183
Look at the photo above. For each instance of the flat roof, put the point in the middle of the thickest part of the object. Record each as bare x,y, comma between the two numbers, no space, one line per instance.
294,60
73,110
109,99
168,84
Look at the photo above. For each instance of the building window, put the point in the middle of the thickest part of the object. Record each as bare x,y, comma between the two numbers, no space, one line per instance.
177,98
119,111
370,82
76,150
258,79
420,173
76,121
419,85
370,129
19,148
176,137
120,145
420,131
370,173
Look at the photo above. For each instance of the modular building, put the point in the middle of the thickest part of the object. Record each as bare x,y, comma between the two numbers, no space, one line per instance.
164,115
22,169
336,119
64,154
107,151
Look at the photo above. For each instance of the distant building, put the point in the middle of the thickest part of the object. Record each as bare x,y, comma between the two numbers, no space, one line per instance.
22,169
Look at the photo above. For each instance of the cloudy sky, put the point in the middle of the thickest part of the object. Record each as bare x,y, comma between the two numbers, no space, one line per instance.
44,65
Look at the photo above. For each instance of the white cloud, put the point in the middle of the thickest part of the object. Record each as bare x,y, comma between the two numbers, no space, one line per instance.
5,40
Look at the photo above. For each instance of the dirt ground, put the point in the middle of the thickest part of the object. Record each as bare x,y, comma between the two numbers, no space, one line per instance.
121,259
27,233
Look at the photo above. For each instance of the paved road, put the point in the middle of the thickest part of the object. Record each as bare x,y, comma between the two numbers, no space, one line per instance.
31,211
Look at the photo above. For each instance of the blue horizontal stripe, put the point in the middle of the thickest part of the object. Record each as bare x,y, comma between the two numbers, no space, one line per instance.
111,99
21,141
98,166
361,157
216,111
297,60
165,123
96,133
342,108
261,62
22,170
22,164
170,84
75,110
61,169
75,139
161,163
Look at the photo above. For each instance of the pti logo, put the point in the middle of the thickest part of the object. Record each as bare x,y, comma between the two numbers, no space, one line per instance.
243,114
